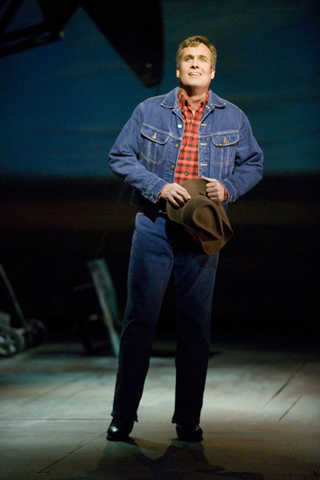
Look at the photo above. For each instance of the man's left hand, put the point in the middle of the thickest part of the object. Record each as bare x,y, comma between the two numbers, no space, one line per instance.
215,190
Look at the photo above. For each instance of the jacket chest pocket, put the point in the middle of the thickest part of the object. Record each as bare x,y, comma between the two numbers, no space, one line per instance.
154,146
224,147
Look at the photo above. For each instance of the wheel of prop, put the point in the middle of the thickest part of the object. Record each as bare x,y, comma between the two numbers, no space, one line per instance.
11,341
35,333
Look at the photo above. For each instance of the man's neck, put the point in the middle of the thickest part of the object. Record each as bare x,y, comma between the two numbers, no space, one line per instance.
194,97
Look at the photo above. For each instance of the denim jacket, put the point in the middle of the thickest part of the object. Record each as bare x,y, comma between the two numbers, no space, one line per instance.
146,152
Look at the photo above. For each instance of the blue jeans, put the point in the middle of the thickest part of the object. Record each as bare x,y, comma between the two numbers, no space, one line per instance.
160,247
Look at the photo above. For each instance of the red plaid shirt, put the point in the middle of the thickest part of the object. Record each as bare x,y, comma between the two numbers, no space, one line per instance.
187,165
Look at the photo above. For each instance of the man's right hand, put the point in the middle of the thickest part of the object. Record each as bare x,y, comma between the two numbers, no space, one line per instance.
175,194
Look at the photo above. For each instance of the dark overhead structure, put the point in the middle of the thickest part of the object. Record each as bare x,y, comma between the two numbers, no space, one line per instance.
134,28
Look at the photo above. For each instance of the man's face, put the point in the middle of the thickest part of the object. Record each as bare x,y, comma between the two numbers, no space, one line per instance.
195,67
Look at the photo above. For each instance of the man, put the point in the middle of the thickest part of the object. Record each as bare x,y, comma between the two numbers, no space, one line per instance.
188,133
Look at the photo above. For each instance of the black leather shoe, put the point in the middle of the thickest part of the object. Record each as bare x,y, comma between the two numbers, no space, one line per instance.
119,429
189,432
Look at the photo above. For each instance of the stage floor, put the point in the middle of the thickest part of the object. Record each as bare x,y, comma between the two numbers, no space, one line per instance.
261,415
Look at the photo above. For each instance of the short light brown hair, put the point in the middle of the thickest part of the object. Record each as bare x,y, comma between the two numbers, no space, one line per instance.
194,42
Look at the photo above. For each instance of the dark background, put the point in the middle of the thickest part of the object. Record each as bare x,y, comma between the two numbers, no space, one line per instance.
62,106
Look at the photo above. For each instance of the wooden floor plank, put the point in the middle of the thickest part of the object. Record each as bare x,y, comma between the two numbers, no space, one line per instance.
260,419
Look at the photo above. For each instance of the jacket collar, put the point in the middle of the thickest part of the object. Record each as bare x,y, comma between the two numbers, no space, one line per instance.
170,100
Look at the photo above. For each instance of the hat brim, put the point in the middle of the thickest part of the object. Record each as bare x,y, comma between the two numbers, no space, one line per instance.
206,221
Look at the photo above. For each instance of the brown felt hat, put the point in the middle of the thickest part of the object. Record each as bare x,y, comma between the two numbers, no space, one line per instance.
205,220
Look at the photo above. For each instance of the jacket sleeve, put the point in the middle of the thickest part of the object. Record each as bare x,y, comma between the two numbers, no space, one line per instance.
124,159
248,166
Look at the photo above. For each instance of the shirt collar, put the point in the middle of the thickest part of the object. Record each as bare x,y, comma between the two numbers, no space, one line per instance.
184,102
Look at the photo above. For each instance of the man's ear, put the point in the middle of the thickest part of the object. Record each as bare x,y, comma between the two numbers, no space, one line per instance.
178,72
213,72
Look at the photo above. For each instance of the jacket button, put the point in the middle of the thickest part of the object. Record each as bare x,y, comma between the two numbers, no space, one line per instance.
176,146
172,167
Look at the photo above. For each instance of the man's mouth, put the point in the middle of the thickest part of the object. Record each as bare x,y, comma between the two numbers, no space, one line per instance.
194,74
